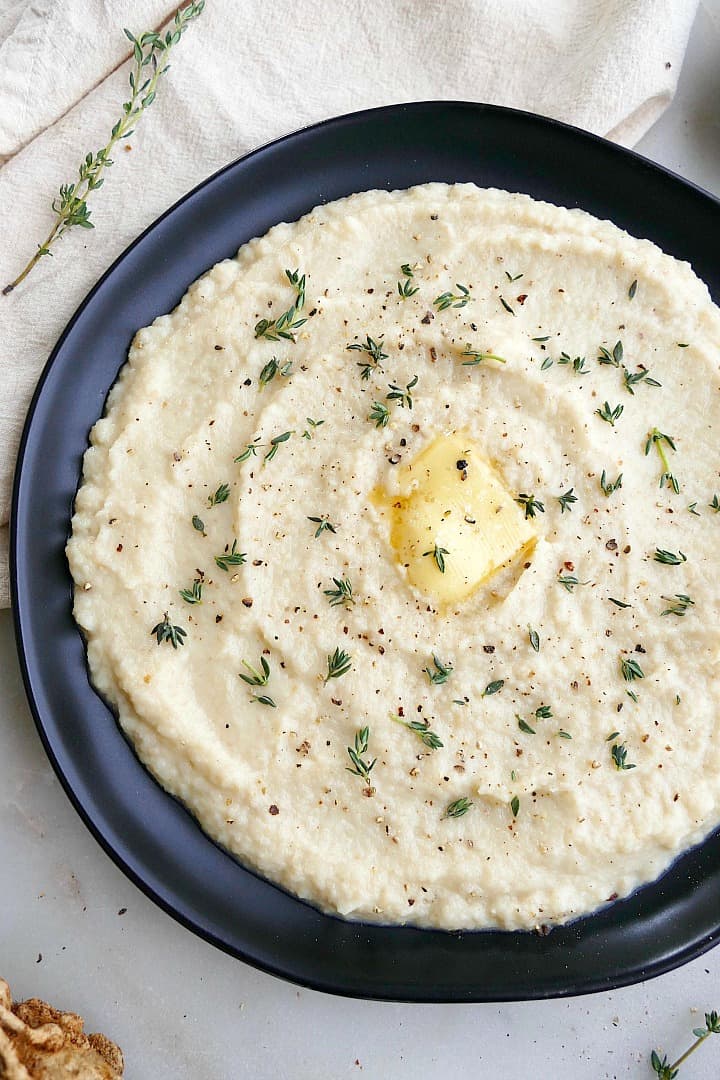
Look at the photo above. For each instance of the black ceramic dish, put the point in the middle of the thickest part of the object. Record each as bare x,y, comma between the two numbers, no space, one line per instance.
145,831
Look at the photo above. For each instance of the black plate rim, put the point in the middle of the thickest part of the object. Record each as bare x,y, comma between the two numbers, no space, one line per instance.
597,984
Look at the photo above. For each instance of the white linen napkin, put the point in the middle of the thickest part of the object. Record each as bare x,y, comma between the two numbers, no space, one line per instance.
248,71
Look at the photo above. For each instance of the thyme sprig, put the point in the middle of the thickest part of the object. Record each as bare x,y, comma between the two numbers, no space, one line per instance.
524,726
715,504
256,678
313,425
356,753
379,414
630,669
375,354
450,299
566,499
493,687
475,357
338,664
404,397
286,324
569,581
407,288
669,558
194,594
323,525
341,594
614,358
421,728
275,444
441,672
230,557
515,806
438,554
198,524
577,363
150,54
166,631
220,496
678,604
618,752
659,441
271,369
660,1065
609,486
458,808
631,379
530,505
250,450
534,638
610,415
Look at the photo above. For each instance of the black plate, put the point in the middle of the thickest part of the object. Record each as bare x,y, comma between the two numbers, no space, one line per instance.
149,835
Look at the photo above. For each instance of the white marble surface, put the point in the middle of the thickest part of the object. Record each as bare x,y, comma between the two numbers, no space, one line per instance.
182,1010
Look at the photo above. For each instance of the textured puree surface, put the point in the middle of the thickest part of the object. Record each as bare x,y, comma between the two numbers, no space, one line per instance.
538,685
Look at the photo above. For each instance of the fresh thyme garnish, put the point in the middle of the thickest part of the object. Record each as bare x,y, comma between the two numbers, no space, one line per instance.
361,767
512,278
669,558
275,444
338,664
221,495
541,339
194,594
271,369
715,504
493,687
515,806
287,323
692,509
438,554
309,432
642,376
323,524
256,678
264,699
578,363
678,605
534,639
406,288
547,363
150,53
341,594
569,581
609,486
250,450
422,729
669,1072
630,669
524,726
231,557
566,499
442,672
544,712
610,415
374,350
632,290
613,358
403,397
458,808
449,299
612,735
619,756
475,357
379,414
505,304
563,734
656,438
618,603
165,631
530,504
198,524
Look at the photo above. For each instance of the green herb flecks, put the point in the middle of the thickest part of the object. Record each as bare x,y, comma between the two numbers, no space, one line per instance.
530,505
566,499
524,726
256,678
659,441
609,486
407,288
577,363
338,664
357,752
250,450
230,557
515,806
458,808
341,594
534,639
166,631
569,581
630,669
614,358
512,277
438,554
610,415
375,354
618,603
475,357
666,1071
493,687
379,414
563,734
264,699
505,304
441,672
632,290
194,594
547,363
150,55
715,504
544,712
275,444
220,496
618,753
450,299
631,379
692,509
198,524
678,604
271,369
323,525
402,397
421,728
286,325
669,558
313,425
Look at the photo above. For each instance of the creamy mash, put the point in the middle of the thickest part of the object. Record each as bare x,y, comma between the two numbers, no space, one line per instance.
396,552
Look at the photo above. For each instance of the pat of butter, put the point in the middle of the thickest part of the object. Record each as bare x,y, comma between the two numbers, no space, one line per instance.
453,521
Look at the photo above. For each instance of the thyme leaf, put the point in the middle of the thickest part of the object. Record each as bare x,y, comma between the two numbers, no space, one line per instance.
194,594
630,669
660,1065
493,687
515,806
442,671
275,444
286,324
379,414
569,581
534,639
631,379
614,358
250,450
530,504
221,495
677,605
421,728
256,678
341,594
619,755
450,299
475,357
524,726
323,524
357,752
669,558
609,486
309,432
610,415
566,499
458,808
438,554
198,524
166,631
338,664
231,557
402,397
407,288
375,354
